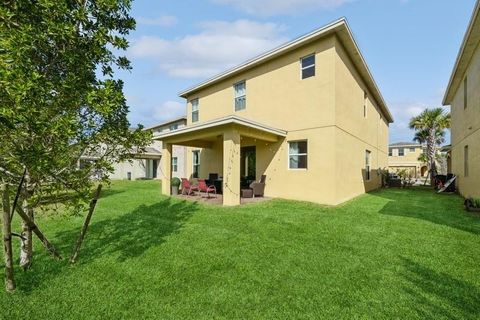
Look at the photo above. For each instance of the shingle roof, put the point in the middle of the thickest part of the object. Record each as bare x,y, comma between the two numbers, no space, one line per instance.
402,144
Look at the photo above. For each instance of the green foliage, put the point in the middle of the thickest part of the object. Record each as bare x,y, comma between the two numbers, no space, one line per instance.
430,128
385,176
475,202
175,182
406,175
59,99
392,254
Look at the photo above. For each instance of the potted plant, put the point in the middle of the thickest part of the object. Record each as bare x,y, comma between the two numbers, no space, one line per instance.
174,185
472,204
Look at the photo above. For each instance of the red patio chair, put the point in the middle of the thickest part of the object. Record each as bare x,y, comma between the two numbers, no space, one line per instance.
202,186
188,187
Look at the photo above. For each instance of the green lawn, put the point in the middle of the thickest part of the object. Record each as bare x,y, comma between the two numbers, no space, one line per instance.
390,254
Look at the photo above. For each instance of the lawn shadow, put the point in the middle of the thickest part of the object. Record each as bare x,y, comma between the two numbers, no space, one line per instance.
126,236
425,204
437,293
130,235
108,191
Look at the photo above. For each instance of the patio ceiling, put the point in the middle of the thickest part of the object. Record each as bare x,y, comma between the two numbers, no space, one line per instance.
203,135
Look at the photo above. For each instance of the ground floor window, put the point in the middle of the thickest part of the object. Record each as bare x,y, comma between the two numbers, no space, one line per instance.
367,165
174,164
297,154
196,163
152,167
465,161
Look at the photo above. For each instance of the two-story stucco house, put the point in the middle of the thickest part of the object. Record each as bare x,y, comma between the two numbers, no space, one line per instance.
463,95
147,165
309,112
405,155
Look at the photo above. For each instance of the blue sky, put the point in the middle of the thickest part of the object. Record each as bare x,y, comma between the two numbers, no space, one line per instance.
409,45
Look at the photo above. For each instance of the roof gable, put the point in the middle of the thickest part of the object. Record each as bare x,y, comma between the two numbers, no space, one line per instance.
340,28
470,43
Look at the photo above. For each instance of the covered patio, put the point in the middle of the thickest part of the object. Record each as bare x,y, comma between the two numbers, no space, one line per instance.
220,141
218,199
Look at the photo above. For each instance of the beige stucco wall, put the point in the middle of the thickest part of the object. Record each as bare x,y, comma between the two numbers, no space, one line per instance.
136,167
466,131
355,132
326,110
276,94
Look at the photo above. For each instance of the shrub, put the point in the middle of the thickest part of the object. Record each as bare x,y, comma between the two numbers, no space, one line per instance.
175,182
475,202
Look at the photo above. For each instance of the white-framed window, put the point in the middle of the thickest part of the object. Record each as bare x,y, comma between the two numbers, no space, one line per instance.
367,165
401,152
298,154
465,161
308,66
195,107
196,163
390,152
173,126
174,164
365,106
240,89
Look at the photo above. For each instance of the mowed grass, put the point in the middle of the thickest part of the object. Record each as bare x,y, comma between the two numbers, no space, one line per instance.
404,254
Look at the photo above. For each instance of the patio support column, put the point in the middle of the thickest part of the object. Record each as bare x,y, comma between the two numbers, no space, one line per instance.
166,166
231,167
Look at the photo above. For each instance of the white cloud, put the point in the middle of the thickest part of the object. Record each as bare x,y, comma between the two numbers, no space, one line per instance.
162,21
276,7
149,115
402,113
219,45
168,110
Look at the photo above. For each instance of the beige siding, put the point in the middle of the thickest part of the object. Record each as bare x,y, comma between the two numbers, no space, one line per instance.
356,133
466,130
276,94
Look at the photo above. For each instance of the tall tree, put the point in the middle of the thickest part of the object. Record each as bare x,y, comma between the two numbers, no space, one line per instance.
430,128
59,99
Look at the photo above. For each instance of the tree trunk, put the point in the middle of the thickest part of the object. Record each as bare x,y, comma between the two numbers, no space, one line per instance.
7,241
431,155
26,243
38,233
93,203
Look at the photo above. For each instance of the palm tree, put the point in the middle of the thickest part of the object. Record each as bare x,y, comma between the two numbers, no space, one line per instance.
430,128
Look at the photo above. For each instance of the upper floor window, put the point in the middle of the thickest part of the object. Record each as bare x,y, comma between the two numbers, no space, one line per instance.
308,66
297,154
173,126
365,100
195,110
401,152
367,165
412,149
240,96
390,152
465,93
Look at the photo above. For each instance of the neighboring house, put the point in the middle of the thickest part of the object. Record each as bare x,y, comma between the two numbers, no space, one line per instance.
404,155
309,112
147,165
178,158
463,95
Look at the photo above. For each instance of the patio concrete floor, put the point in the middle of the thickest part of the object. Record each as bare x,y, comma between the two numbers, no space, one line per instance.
218,199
